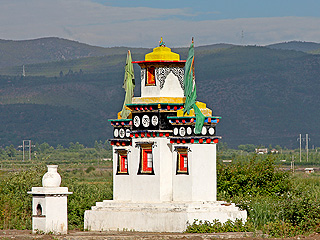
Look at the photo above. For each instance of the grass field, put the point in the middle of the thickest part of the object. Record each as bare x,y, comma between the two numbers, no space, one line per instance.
279,202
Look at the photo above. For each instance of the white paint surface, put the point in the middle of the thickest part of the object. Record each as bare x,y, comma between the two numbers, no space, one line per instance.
53,202
171,88
165,201
156,217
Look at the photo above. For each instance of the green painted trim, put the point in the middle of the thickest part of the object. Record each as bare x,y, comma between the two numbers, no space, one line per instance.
154,104
119,120
192,117
139,104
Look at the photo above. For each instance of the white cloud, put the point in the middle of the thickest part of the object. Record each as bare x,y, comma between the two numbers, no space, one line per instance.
97,24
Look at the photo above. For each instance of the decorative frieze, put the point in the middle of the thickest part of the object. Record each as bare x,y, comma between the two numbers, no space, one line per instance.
163,72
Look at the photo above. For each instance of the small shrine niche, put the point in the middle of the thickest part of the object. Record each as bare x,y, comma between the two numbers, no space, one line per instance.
39,210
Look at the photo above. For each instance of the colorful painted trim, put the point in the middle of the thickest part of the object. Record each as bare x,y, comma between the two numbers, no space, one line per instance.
121,122
150,134
194,140
120,142
145,100
155,106
183,120
160,61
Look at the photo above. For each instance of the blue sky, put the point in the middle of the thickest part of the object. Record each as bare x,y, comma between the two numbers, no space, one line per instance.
230,9
141,23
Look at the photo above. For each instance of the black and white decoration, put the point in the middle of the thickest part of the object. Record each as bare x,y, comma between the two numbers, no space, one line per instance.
121,132
146,120
183,131
163,72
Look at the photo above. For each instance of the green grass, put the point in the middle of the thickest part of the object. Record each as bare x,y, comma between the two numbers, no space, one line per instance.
279,203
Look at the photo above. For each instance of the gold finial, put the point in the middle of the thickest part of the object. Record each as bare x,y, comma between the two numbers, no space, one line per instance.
192,40
161,43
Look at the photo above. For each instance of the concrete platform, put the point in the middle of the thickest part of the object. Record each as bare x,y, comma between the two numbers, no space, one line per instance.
156,217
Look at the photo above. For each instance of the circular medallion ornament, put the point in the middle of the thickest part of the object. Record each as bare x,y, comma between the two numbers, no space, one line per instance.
136,121
175,131
116,133
145,121
211,131
189,130
122,133
204,130
194,130
182,131
128,133
154,120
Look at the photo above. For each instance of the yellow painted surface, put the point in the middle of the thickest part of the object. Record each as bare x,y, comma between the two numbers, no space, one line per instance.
158,100
201,105
162,54
203,108
129,117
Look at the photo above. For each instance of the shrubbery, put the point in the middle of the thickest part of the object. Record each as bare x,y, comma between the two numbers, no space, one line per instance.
278,203
217,227
16,204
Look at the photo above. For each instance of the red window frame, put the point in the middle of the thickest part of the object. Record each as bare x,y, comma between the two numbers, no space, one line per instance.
182,161
151,80
147,160
123,168
122,162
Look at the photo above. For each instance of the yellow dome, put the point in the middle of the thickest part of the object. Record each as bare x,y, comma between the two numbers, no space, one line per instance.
162,53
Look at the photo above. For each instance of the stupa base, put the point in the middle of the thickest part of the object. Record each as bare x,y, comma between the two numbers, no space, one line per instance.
156,217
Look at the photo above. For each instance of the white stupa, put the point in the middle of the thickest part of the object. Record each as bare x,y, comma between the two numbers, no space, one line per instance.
164,174
49,204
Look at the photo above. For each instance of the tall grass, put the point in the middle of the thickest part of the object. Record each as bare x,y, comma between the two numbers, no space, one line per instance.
279,203
15,203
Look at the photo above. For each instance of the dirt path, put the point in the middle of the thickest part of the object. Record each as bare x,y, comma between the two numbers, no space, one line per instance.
78,235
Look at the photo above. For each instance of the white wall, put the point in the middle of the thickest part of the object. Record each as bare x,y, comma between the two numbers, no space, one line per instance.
38,223
122,184
56,214
203,172
165,184
171,87
201,183
140,187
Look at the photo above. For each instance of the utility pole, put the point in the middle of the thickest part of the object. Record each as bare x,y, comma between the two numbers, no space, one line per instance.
307,147
292,163
24,146
299,139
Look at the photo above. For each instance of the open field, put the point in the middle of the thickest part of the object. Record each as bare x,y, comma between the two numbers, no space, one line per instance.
279,203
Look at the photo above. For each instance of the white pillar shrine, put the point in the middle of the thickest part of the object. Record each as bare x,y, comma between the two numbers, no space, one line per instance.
49,204
164,175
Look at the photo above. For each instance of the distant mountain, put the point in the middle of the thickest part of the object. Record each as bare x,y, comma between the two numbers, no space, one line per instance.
296,45
15,53
264,96
52,49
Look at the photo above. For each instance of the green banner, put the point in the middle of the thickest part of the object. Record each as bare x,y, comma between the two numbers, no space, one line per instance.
128,85
190,91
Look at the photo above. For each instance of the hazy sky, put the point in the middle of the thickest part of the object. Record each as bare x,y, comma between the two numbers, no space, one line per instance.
141,23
